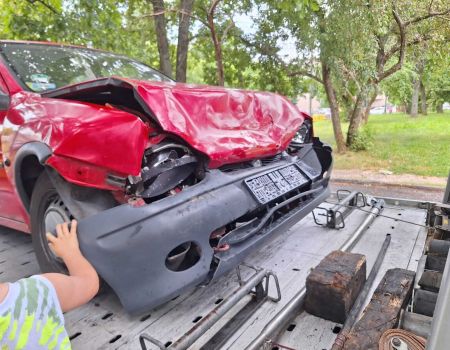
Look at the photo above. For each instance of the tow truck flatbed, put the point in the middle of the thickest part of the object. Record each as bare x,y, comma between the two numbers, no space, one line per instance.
102,323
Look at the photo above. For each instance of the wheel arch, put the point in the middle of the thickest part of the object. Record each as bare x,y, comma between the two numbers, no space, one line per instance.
28,165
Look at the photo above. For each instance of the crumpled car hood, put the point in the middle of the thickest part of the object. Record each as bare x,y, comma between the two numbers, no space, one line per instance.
228,125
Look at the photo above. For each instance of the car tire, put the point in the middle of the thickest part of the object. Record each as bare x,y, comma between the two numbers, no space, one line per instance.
46,210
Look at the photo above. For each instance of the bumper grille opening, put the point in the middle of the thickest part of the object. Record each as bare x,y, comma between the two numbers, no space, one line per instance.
183,256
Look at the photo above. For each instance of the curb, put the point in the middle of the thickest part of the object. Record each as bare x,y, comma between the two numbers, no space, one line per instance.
378,183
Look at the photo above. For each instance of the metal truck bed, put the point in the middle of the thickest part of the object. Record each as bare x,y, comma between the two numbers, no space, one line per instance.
102,324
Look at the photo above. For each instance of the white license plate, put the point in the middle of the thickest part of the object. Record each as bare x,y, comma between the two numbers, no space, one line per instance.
276,183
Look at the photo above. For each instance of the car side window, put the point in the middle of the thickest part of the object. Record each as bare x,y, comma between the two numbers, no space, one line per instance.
4,95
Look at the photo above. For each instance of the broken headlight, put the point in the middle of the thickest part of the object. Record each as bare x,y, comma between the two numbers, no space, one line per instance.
304,134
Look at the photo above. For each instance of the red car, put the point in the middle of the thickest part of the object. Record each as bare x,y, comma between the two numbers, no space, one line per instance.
173,184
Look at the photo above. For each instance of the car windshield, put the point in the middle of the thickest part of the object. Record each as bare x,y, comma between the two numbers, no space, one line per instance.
47,67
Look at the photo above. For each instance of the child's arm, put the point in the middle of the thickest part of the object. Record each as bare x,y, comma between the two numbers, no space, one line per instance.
83,283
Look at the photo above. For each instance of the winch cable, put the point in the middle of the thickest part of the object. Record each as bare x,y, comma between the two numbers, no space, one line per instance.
381,215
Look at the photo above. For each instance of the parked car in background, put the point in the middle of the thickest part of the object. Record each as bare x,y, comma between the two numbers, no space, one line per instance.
377,110
322,114
172,184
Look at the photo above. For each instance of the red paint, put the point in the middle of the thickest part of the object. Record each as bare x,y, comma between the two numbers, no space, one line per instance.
228,125
91,134
89,141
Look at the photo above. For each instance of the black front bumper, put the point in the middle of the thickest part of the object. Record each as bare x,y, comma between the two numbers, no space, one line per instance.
128,245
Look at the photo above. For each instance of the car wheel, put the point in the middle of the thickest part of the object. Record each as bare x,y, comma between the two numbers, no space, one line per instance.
46,211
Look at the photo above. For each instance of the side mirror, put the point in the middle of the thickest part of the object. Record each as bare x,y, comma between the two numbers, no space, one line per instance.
4,102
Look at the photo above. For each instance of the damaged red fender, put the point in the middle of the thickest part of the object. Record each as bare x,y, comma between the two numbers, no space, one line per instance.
227,125
88,141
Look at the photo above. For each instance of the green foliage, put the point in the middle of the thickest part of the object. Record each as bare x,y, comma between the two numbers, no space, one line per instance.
363,140
401,144
437,77
399,86
104,24
343,34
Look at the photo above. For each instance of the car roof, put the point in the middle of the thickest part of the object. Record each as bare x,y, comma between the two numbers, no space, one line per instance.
48,43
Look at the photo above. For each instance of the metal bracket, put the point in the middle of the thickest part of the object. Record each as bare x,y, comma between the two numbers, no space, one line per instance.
335,216
239,275
332,217
258,284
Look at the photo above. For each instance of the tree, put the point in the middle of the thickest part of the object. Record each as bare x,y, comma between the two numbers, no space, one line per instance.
32,21
184,15
404,29
417,83
437,79
314,27
216,16
183,39
350,47
161,36
423,81
398,87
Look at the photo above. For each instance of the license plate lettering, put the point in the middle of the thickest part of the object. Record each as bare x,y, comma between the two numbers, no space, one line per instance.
276,183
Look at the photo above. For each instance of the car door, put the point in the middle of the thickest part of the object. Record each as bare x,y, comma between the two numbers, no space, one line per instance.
11,213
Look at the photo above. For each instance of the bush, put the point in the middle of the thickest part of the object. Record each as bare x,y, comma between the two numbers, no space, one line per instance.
363,141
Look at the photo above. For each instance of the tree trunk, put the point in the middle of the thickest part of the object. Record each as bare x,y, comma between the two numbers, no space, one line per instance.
415,98
183,39
356,117
408,107
334,107
161,37
217,50
440,108
365,117
423,99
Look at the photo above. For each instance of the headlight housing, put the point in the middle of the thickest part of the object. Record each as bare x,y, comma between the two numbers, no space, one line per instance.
304,134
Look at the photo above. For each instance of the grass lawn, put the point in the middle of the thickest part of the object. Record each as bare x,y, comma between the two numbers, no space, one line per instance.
401,144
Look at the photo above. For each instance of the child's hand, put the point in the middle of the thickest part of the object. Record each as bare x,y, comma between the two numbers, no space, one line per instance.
66,242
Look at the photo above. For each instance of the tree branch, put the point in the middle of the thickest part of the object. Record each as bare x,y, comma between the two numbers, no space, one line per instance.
402,49
262,50
306,74
213,7
52,9
227,29
416,41
271,53
429,7
428,15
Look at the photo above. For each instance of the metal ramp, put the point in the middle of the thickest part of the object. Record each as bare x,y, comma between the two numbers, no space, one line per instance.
102,324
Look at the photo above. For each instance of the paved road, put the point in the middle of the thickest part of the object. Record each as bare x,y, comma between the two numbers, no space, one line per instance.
432,195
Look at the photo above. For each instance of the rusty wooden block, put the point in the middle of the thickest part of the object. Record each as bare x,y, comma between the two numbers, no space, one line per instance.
333,285
382,312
